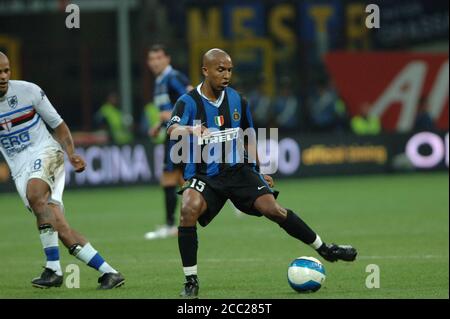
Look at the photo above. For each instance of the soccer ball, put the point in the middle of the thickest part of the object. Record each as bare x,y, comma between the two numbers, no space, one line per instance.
306,274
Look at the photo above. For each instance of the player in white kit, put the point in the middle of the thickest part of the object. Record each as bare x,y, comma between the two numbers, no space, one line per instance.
36,161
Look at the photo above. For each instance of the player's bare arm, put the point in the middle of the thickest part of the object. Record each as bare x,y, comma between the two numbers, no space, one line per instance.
197,130
64,137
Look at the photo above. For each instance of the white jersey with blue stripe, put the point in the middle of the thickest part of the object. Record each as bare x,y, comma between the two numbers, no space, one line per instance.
23,110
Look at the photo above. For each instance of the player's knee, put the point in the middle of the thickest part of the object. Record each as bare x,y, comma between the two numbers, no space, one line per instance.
190,211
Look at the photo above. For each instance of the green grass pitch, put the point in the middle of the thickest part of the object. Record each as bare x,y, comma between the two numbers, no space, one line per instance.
399,223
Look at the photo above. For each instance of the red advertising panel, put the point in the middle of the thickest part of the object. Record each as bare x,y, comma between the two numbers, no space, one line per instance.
394,84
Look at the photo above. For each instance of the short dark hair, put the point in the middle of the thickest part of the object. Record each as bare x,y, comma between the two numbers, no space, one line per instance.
159,47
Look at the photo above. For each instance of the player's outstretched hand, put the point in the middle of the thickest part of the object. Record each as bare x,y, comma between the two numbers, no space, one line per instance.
77,162
269,180
200,131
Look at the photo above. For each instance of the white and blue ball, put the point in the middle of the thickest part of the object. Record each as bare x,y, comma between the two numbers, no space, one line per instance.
306,274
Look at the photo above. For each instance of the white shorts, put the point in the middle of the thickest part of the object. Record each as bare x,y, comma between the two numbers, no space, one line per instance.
47,165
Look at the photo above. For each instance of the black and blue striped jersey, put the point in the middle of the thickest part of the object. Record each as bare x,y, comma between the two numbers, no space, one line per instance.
227,123
169,86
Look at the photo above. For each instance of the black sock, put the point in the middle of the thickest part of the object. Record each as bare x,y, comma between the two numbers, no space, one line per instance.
171,203
188,245
297,228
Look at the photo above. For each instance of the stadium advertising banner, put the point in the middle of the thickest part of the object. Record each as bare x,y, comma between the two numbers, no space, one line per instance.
298,156
398,86
349,154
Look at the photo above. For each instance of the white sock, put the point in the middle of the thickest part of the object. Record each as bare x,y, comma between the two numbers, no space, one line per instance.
54,265
189,271
317,243
92,258
49,240
106,268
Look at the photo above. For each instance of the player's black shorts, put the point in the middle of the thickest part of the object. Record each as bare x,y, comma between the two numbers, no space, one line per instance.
241,183
170,166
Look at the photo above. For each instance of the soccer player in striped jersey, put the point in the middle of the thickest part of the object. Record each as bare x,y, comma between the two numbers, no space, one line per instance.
221,167
36,161
170,84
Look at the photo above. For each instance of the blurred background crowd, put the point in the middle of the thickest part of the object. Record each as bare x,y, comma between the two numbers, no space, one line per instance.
304,66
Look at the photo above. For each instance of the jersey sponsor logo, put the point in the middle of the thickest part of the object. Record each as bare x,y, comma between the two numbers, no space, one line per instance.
13,101
260,187
16,143
42,95
236,115
219,136
219,120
